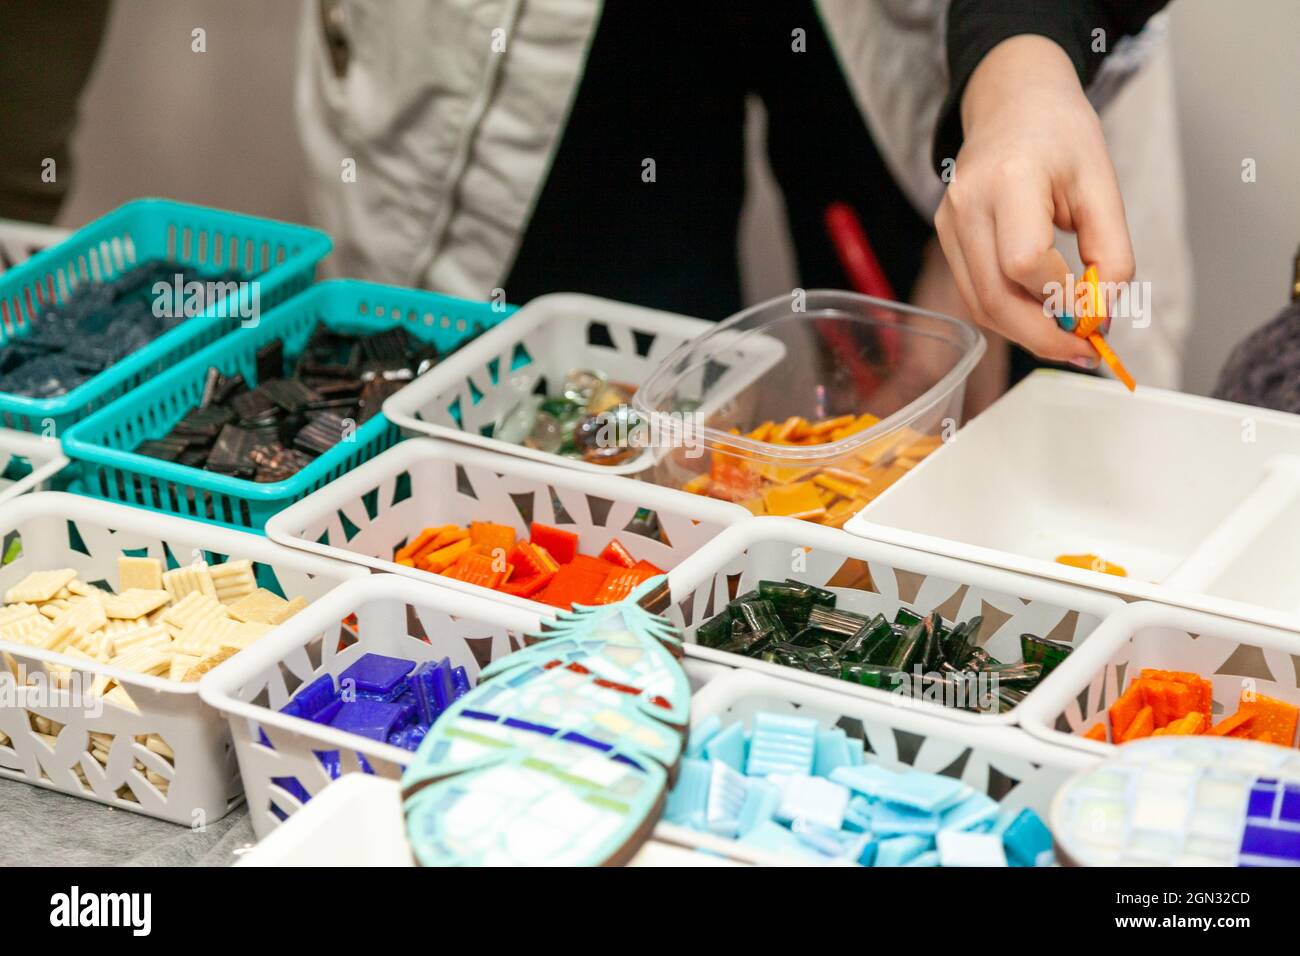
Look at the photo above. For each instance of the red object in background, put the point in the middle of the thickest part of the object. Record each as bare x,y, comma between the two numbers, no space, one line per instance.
865,274
855,252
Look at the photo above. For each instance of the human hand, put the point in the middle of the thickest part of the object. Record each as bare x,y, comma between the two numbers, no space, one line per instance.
1033,158
936,291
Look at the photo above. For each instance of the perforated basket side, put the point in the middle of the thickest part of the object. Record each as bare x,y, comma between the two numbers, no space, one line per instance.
398,618
368,513
19,241
282,256
1235,656
462,399
873,578
51,530
103,443
1004,762
43,455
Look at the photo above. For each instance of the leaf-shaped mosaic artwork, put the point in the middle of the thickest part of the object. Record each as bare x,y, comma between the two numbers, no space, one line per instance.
564,752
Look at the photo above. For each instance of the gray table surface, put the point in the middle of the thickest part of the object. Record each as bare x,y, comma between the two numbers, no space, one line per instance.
40,827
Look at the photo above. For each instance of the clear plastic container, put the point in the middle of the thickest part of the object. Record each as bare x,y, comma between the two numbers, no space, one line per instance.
852,392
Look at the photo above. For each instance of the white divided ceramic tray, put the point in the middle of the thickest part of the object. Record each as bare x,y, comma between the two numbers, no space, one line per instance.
357,821
365,515
779,548
44,454
534,350
68,531
1198,499
1004,762
394,616
1233,655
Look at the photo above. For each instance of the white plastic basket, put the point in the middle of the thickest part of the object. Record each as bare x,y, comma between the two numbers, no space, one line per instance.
1198,499
67,531
44,454
779,548
462,396
365,515
396,617
1004,762
19,241
357,821
1227,652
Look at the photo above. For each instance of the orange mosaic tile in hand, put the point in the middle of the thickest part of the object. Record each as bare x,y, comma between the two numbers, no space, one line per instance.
1160,703
546,567
828,494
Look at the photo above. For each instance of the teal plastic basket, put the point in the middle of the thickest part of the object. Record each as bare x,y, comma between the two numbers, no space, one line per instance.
100,447
280,256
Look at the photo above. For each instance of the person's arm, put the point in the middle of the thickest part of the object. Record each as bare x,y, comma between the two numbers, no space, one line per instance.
1031,157
975,27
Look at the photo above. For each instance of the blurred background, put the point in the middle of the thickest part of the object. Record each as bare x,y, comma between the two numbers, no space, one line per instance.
219,128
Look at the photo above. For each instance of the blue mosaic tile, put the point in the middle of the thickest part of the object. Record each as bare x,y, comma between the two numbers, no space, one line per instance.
1291,804
1267,841
1263,799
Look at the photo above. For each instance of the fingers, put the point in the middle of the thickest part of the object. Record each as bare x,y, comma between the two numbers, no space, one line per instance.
971,243
1026,241
1097,210
947,232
